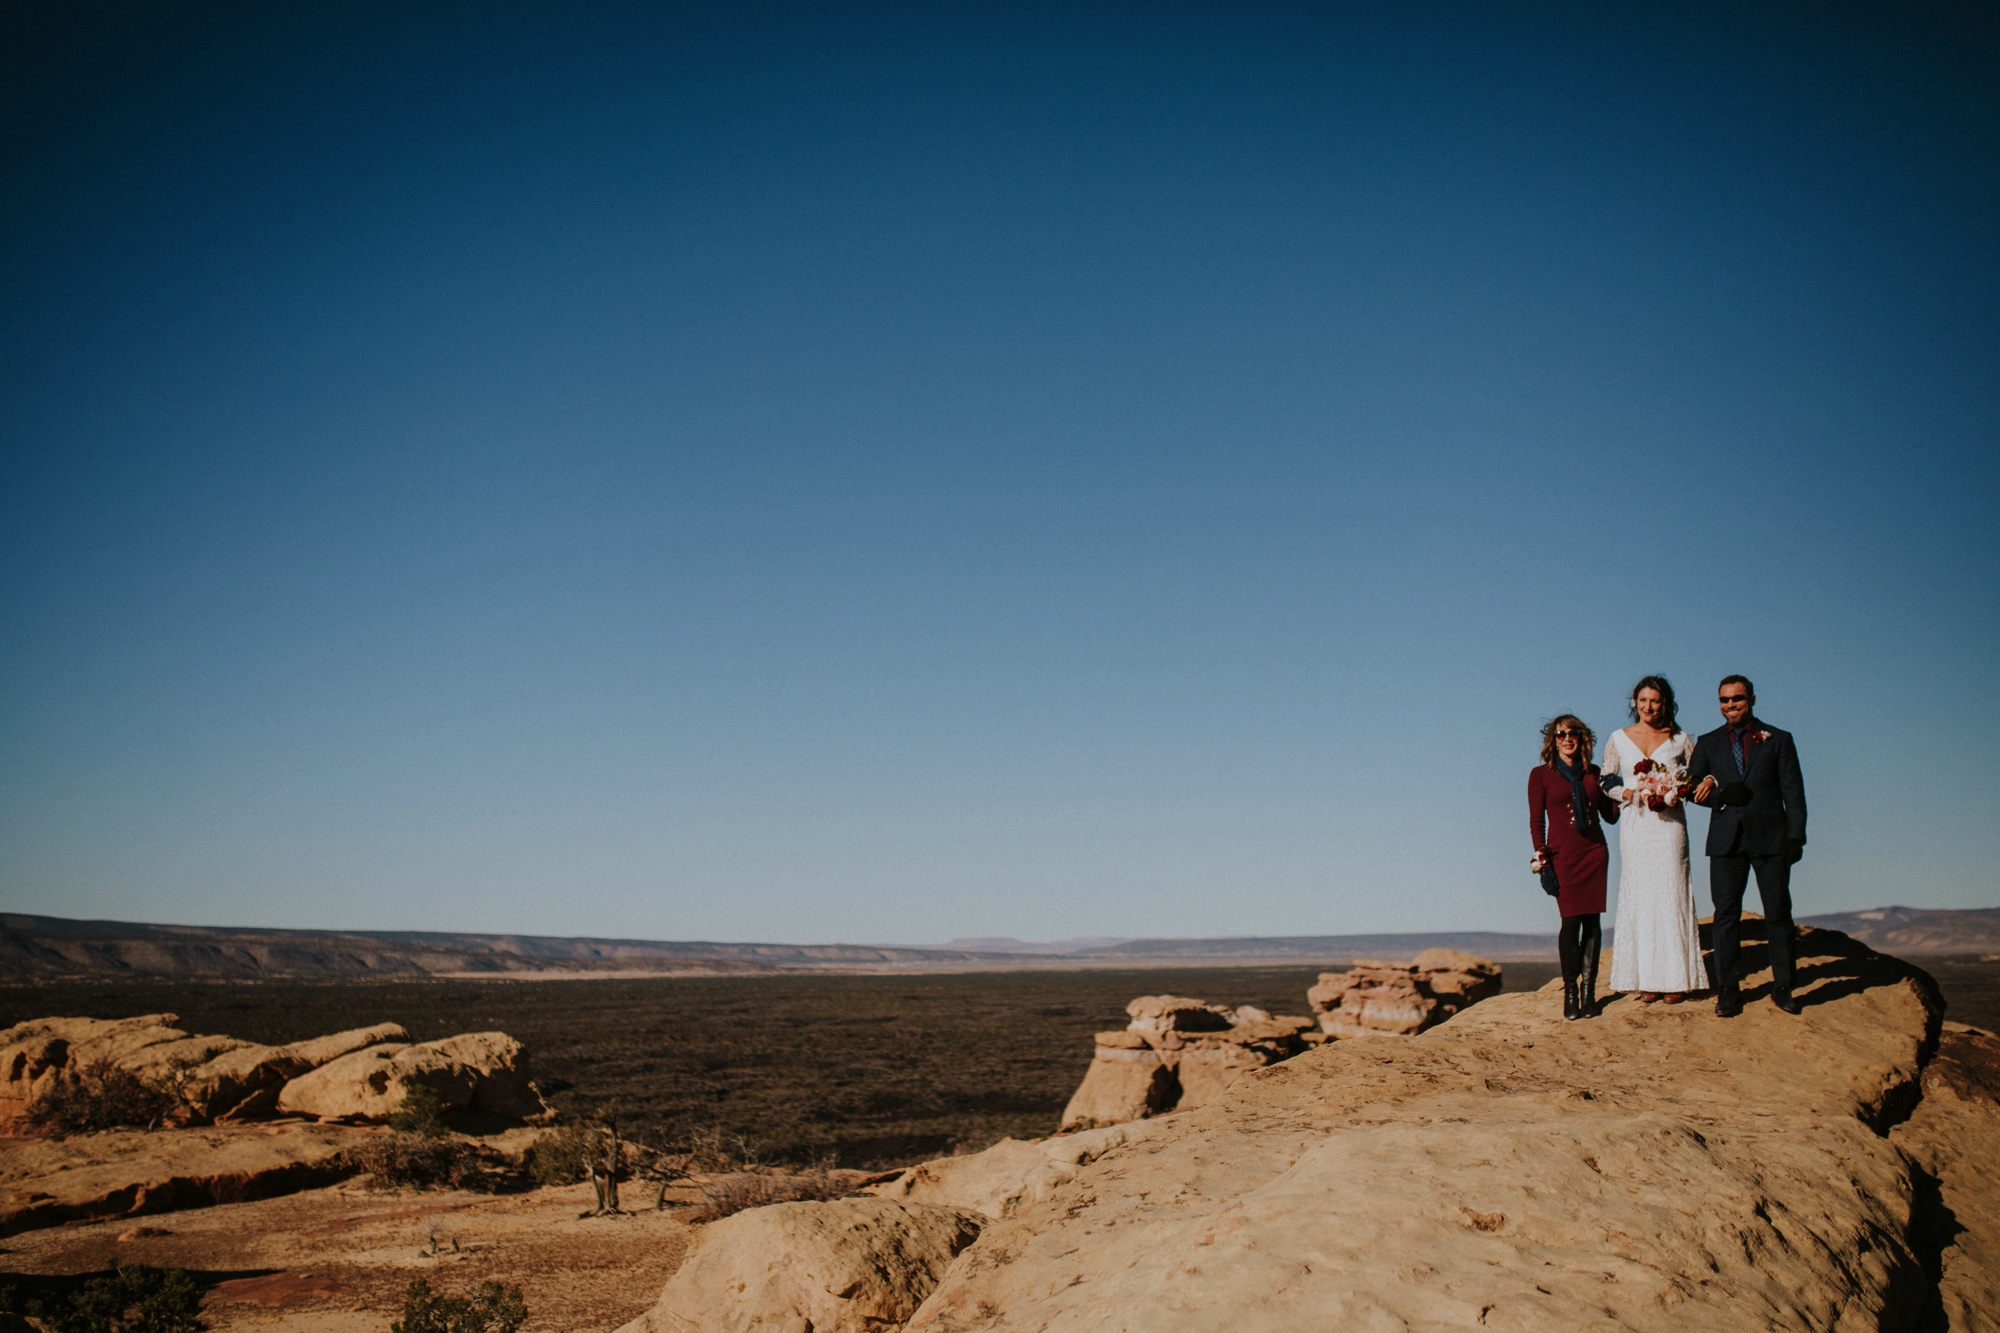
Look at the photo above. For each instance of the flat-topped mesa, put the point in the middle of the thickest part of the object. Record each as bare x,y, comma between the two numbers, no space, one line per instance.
1374,999
357,1076
1176,1053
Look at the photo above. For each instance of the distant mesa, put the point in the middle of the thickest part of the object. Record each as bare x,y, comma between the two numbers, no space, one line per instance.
1008,944
35,948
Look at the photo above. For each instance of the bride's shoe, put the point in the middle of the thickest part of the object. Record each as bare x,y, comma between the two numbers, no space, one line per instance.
1673,997
1648,996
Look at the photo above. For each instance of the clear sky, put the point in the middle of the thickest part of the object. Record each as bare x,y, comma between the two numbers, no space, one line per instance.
898,473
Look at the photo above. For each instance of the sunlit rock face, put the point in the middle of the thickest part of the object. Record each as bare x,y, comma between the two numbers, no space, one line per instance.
1178,1053
1401,999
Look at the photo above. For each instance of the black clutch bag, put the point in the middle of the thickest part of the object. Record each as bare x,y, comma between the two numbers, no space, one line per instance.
1550,885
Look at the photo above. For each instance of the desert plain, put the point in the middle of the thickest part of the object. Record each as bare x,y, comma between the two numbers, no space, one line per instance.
875,1073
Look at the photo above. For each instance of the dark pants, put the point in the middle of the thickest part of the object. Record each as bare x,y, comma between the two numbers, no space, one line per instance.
1728,876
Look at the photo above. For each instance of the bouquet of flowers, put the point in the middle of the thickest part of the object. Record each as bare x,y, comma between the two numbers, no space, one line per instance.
1659,786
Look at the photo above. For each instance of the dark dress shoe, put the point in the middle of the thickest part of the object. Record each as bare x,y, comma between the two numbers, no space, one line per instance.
1728,1006
1786,1003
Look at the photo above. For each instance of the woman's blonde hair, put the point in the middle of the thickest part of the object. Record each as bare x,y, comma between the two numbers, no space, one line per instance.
1586,739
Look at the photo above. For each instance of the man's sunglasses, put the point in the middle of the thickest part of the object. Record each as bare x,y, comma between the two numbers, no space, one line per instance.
1734,699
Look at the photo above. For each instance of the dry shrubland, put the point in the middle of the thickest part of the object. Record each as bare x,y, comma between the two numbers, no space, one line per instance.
871,1071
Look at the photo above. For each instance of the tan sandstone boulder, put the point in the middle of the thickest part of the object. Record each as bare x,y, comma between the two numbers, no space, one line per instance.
1655,1170
1374,999
484,1071
243,1083
214,1076
1177,1053
846,1266
34,1054
1005,1177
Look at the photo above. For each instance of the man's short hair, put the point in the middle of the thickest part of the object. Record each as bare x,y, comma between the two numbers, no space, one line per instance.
1744,681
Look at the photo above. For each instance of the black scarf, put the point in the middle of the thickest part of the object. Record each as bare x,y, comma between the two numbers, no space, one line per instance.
1579,799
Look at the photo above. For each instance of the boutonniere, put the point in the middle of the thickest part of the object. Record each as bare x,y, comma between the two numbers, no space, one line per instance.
1759,737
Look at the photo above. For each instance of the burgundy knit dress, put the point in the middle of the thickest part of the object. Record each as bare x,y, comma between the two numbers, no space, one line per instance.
1579,854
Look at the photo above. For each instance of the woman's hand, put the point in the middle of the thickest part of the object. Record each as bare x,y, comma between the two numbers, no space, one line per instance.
1705,790
1541,860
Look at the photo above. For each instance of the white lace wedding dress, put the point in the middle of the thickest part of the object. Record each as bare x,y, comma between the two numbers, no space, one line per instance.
1655,947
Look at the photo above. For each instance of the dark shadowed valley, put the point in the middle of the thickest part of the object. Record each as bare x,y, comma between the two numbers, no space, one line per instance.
871,1070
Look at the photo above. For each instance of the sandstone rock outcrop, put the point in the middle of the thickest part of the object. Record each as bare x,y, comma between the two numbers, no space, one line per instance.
478,1070
1401,999
1954,1138
357,1075
846,1266
1652,1169
1006,1176
243,1083
1178,1053
133,1173
36,1054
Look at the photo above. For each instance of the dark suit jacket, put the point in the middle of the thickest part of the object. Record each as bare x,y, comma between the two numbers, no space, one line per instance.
1772,820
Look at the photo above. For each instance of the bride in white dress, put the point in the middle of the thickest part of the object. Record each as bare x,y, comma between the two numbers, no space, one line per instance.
1655,950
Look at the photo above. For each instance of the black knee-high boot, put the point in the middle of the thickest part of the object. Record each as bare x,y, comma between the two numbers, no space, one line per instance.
1593,942
1569,948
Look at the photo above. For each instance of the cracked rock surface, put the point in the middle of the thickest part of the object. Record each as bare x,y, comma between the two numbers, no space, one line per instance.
1656,1168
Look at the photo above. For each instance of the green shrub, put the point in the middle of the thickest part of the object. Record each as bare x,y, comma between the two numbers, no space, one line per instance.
494,1309
564,1155
423,1162
420,1113
136,1298
100,1096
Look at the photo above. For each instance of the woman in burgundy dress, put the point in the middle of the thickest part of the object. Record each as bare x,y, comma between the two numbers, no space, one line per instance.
1567,811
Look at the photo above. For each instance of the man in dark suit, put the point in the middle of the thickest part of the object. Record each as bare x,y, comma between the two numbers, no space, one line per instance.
1748,775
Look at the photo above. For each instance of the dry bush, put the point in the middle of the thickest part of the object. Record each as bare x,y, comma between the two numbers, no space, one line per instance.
422,1162
732,1193
420,1113
564,1155
100,1096
494,1309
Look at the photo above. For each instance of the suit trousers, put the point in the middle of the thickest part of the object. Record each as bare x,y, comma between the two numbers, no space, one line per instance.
1728,877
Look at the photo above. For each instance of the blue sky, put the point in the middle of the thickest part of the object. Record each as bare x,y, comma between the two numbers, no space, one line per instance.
898,473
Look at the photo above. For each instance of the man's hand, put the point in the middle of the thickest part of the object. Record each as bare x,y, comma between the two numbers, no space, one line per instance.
1705,790
1794,852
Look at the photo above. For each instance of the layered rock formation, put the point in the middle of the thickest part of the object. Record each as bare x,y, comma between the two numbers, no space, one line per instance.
1401,999
846,1266
133,1173
1953,1137
1178,1053
475,1071
357,1076
1654,1169
1007,1176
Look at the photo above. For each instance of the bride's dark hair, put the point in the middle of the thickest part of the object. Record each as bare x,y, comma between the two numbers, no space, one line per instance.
1667,705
